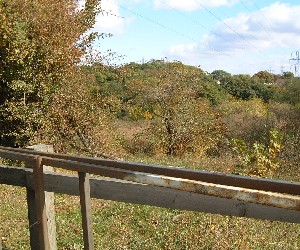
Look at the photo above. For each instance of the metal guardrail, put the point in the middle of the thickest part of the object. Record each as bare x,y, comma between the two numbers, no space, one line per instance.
272,193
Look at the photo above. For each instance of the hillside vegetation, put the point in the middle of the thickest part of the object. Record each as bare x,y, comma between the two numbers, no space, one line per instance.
54,90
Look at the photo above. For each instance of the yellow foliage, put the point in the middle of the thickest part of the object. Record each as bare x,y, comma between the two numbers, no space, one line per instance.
148,115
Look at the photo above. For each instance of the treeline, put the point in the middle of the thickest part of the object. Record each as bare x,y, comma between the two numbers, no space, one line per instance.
205,114
54,91
128,83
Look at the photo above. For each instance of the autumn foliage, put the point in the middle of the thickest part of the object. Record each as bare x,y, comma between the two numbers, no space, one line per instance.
51,94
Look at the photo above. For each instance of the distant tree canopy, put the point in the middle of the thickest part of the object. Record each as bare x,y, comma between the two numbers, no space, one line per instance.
244,86
220,75
264,77
288,74
126,86
40,44
291,93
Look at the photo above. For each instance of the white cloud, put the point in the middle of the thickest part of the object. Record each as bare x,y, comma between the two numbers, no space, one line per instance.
250,36
191,5
111,21
274,26
184,50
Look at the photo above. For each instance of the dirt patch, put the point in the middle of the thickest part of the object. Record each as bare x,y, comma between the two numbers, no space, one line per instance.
129,129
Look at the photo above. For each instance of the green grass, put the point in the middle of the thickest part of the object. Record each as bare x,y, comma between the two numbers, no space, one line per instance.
127,226
14,231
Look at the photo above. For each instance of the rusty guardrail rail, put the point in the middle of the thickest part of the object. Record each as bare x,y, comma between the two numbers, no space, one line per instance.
274,194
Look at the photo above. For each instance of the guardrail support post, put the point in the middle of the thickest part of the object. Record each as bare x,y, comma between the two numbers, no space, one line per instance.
32,217
86,211
49,203
41,204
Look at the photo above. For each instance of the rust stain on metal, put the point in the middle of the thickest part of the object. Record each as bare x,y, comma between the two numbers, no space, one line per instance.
245,189
263,184
222,191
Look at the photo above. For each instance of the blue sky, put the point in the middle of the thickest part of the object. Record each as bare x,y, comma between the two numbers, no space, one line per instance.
239,36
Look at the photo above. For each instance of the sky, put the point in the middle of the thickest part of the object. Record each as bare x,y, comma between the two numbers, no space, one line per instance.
238,36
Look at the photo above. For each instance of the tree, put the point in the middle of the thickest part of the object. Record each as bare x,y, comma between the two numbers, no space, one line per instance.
41,42
288,74
212,91
246,87
220,75
292,93
264,77
182,120
77,121
239,86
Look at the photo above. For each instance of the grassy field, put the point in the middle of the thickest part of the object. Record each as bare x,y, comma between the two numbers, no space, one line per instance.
127,226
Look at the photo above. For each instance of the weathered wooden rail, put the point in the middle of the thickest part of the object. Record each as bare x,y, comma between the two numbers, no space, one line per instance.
145,184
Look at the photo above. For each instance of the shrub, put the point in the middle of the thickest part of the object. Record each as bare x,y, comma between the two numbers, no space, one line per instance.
247,120
259,159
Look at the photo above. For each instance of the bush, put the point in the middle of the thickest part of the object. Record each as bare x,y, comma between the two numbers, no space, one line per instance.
247,120
259,159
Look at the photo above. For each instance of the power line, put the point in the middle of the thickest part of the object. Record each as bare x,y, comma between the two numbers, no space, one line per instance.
186,36
212,32
172,30
193,20
245,6
262,24
268,24
229,27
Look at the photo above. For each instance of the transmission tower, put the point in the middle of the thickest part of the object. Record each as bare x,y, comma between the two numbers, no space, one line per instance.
295,61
